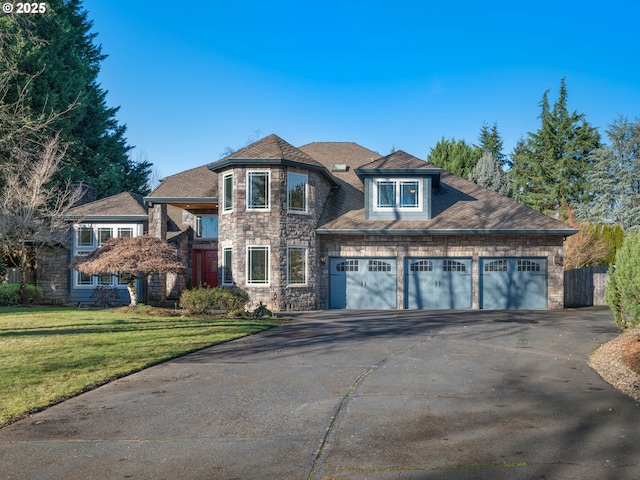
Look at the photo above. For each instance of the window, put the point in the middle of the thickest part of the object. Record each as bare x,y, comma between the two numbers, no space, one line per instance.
90,237
258,190
453,266
379,266
347,266
104,234
297,192
227,192
496,266
297,265
528,266
125,232
227,266
422,266
257,265
207,226
397,194
85,237
386,194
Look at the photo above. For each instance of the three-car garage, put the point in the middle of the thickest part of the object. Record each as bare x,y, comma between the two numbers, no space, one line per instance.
438,283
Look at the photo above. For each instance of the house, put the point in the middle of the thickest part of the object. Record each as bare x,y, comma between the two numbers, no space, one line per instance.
335,225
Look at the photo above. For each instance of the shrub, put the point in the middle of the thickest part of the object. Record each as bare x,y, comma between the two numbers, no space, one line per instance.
10,294
623,287
199,301
104,296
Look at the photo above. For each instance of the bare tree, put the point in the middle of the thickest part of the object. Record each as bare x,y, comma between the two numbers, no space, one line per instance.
31,209
130,259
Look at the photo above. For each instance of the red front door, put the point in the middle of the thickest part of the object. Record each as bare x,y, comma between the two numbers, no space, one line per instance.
205,268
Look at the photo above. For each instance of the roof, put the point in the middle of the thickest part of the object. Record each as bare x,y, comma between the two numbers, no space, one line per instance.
398,160
458,206
350,191
199,182
119,206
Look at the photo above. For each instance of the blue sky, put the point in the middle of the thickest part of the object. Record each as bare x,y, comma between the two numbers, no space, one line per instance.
193,78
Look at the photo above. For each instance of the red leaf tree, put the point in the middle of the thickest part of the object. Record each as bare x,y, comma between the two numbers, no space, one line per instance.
130,259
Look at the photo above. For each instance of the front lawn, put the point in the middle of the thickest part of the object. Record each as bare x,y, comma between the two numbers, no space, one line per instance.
50,354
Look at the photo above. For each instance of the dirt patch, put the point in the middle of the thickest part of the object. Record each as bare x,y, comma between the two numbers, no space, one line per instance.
631,354
618,362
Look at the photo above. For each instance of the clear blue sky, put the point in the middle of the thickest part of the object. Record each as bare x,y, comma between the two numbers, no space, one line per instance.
193,78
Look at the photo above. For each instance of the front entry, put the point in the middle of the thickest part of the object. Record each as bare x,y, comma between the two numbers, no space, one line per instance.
205,268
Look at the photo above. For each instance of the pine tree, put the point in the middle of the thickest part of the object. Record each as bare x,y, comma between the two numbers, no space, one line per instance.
51,64
489,174
614,180
455,156
550,166
491,142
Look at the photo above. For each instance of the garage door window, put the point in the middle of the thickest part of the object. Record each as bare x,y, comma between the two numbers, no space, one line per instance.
347,266
453,266
496,266
422,266
379,266
528,266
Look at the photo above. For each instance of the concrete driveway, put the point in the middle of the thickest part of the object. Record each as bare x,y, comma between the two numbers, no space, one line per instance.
354,395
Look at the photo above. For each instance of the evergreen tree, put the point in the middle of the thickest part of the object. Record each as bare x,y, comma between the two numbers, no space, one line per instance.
614,179
491,143
489,174
50,65
455,156
550,166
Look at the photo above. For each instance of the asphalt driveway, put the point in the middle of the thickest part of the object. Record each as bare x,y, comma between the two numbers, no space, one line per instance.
354,395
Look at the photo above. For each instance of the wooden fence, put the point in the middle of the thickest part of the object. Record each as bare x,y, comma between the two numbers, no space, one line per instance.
584,287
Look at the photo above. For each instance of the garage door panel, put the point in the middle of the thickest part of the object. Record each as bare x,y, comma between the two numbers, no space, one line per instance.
513,283
438,283
363,283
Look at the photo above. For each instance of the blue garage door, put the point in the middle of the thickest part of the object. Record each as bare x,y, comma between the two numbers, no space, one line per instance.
437,283
363,283
513,283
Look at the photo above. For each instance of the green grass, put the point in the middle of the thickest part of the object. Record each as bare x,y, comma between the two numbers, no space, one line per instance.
50,354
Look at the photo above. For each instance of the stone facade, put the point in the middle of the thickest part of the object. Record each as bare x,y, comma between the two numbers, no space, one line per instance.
53,274
278,229
470,246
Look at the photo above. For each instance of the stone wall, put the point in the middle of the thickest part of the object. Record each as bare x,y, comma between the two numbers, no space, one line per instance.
278,229
53,275
473,246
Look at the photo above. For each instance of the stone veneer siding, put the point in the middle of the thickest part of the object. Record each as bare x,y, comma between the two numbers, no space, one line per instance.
278,229
53,275
474,246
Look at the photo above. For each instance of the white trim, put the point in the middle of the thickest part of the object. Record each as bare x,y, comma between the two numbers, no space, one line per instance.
306,266
267,207
268,266
398,182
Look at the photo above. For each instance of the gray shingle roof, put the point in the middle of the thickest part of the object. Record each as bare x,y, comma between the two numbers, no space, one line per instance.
199,182
122,204
458,205
271,147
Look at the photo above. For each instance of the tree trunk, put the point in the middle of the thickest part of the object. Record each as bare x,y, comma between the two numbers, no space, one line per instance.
131,286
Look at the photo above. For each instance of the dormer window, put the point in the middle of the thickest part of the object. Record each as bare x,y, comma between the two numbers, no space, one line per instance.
397,194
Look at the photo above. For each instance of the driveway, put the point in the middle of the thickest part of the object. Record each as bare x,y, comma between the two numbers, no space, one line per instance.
354,395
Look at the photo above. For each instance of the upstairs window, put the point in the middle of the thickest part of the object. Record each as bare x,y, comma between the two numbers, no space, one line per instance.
258,190
297,192
397,194
227,192
207,226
